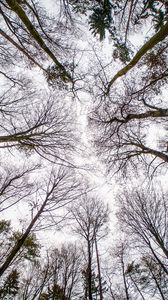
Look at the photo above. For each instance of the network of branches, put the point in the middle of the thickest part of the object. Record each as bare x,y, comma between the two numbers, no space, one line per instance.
83,81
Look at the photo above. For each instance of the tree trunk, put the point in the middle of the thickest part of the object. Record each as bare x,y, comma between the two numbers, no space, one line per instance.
21,241
124,279
99,271
14,5
89,272
154,40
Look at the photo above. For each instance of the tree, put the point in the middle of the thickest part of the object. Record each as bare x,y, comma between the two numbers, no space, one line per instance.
55,275
144,216
14,181
154,40
117,282
125,119
147,277
64,272
91,218
9,237
22,19
120,19
10,287
61,189
139,279
40,126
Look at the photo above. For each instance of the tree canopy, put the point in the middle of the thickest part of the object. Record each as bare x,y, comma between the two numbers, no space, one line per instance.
83,109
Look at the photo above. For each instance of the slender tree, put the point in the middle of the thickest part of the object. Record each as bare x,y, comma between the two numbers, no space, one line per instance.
60,190
144,215
91,219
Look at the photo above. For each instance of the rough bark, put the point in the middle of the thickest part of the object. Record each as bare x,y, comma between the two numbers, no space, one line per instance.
161,113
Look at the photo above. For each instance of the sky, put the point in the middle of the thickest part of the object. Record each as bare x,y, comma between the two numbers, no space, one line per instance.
105,186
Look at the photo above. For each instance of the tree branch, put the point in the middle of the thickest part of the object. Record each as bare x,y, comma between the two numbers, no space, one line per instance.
154,40
13,4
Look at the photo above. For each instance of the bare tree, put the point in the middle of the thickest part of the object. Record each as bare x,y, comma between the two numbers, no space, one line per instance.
117,282
60,190
55,276
15,185
42,125
91,217
65,271
127,118
144,215
25,26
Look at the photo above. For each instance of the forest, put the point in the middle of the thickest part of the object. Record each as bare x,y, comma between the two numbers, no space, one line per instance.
83,149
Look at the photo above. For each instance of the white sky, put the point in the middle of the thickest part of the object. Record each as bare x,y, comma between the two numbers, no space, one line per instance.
106,187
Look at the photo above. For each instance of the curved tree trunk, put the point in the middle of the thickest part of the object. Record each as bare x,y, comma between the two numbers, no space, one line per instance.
154,40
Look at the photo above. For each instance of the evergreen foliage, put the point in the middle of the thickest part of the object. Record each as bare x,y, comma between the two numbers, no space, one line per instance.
10,287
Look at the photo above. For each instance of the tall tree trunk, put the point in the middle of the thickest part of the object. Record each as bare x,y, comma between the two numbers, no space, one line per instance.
89,272
21,241
124,279
99,271
14,5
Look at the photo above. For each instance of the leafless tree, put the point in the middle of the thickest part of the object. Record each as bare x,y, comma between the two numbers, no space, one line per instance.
123,122
36,123
26,24
56,275
115,272
143,214
65,270
15,185
54,194
91,217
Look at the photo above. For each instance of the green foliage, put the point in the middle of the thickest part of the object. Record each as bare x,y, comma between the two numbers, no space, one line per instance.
54,293
108,16
57,293
100,14
44,296
101,18
157,10
146,273
30,246
4,226
5,233
121,51
10,287
95,284
9,238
